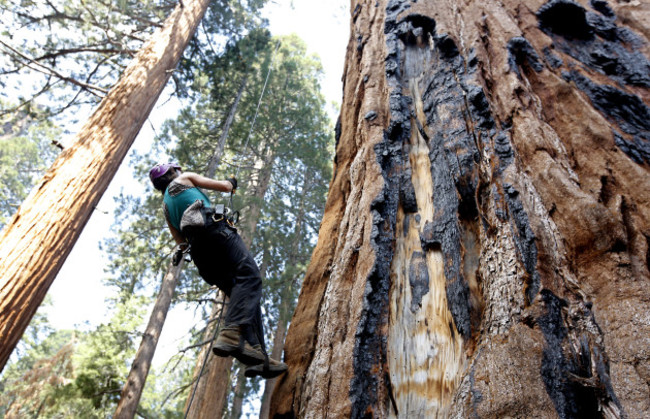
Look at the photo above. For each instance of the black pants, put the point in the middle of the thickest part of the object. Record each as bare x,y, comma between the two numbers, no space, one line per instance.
223,260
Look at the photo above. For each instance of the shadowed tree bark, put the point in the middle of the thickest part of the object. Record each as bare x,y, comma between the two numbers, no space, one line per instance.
485,245
38,239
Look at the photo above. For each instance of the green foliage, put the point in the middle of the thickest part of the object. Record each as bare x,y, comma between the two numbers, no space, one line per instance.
103,357
26,151
74,374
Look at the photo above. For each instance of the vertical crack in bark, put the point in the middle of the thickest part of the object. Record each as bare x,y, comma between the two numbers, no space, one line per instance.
425,349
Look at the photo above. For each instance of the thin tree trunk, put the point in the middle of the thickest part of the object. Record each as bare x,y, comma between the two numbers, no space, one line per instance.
276,353
36,242
134,385
217,369
484,248
216,157
240,390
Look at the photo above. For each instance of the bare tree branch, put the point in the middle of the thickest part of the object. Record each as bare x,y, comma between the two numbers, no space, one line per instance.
41,68
62,52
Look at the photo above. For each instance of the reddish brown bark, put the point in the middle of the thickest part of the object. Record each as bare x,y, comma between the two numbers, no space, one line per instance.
484,249
209,399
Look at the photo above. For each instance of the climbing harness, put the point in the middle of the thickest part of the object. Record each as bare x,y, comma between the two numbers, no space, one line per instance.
223,212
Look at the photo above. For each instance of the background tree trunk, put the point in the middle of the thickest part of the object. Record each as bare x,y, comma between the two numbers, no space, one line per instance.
485,244
206,404
132,391
40,236
238,398
216,157
276,353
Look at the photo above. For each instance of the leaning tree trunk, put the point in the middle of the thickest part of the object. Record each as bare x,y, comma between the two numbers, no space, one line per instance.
132,390
36,242
485,245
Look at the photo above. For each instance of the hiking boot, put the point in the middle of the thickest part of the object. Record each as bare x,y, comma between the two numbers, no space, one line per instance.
272,370
231,343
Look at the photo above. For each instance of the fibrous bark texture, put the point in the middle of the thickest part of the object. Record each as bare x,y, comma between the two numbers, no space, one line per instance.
34,245
485,245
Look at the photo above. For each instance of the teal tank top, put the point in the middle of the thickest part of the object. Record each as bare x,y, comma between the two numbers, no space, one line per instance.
177,204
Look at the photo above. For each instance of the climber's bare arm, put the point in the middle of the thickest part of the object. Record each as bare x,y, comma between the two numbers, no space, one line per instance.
194,179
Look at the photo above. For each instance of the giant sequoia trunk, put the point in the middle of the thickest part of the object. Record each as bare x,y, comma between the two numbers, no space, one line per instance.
485,245
34,245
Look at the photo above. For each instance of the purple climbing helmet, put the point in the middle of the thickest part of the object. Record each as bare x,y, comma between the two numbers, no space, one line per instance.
160,169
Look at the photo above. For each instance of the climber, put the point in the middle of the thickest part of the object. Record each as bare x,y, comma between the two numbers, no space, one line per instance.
222,260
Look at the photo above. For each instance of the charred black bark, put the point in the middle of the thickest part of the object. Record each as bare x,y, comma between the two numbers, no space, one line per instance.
626,110
370,379
568,375
594,40
525,240
521,53
454,153
370,346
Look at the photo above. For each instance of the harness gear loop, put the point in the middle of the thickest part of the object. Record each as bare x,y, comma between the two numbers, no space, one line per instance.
187,248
